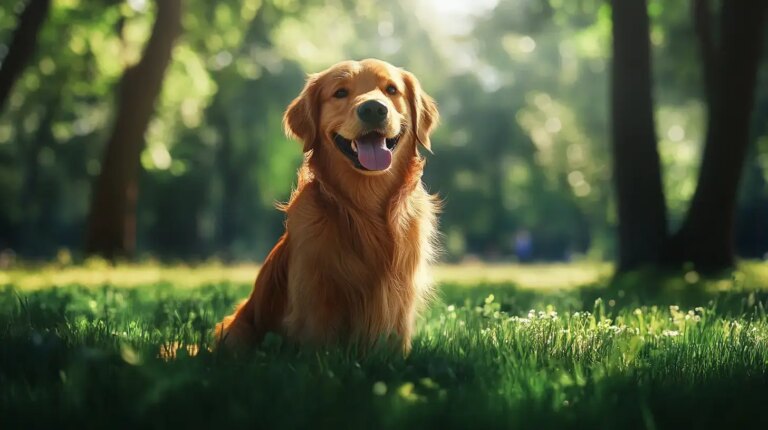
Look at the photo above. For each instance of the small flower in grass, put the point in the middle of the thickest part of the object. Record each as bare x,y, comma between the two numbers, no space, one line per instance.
691,277
670,333
428,383
407,392
379,388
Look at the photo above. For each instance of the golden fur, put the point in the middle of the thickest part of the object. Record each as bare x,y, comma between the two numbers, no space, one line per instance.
352,263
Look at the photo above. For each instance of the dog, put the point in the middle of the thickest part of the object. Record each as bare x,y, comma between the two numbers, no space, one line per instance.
352,265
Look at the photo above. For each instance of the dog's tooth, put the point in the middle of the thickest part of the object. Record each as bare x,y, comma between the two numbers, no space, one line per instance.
354,146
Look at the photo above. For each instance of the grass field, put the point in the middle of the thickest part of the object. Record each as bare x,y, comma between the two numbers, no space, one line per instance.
503,347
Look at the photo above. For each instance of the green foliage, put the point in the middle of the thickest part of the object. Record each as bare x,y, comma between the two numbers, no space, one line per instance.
487,355
523,145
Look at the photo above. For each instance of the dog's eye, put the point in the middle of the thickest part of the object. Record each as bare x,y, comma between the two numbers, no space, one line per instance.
391,89
341,93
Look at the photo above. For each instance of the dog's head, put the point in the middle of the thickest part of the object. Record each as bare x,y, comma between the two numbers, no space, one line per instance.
367,112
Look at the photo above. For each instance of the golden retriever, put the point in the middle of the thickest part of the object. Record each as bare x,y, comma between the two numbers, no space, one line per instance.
360,226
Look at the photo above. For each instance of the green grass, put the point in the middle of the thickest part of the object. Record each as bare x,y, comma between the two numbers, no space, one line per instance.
641,353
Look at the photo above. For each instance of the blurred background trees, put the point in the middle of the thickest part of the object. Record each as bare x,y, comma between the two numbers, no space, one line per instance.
642,214
729,59
112,216
523,158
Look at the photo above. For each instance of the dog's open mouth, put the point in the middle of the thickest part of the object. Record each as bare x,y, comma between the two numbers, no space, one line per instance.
370,151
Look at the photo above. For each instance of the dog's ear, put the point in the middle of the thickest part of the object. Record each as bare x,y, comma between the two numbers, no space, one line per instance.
424,115
301,118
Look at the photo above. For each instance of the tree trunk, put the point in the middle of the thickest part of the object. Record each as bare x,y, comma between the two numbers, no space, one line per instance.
707,234
702,23
112,220
22,46
637,172
227,172
33,203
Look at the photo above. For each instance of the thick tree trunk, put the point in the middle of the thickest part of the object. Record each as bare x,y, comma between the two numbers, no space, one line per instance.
706,236
22,46
112,220
636,170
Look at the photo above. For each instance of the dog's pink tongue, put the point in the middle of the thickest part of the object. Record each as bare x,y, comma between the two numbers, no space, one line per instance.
372,152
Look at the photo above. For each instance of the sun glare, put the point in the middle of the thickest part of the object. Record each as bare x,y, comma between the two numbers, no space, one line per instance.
455,16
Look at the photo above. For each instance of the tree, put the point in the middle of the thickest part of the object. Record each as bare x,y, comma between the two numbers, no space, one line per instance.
112,220
636,167
22,46
706,237
730,70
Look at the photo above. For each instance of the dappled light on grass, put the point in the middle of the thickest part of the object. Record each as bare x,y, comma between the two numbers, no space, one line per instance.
537,276
174,349
552,276
96,272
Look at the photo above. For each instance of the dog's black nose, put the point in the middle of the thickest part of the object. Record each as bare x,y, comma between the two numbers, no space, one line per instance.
372,112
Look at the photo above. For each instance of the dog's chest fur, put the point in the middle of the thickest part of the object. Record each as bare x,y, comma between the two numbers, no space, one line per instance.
373,279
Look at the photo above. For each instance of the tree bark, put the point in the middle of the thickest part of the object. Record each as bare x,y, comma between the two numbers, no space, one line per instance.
642,215
22,46
112,220
707,234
